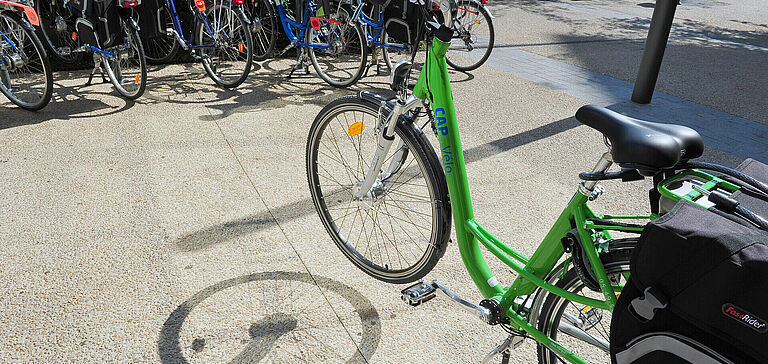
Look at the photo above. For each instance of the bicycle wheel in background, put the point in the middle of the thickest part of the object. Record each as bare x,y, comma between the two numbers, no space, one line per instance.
25,72
399,231
343,63
128,68
55,31
392,55
473,37
161,48
584,330
263,27
229,62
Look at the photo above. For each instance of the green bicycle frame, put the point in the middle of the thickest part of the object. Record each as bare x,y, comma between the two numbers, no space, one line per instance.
433,84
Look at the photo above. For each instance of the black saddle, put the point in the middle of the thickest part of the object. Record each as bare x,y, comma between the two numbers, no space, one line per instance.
642,145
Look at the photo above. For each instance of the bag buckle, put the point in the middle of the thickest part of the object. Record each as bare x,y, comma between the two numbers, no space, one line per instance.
646,305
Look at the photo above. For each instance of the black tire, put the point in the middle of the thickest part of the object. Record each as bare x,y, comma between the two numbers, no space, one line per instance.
161,48
345,64
53,39
128,71
36,69
235,57
428,202
263,27
469,12
616,263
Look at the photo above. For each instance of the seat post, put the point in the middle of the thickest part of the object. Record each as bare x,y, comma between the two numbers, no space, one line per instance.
602,165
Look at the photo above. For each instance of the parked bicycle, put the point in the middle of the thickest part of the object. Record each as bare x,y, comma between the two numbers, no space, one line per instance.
328,39
220,39
473,36
394,29
382,194
25,71
105,29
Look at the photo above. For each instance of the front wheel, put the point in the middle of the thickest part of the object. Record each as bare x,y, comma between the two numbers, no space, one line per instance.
400,229
127,67
25,72
582,329
473,37
341,60
228,52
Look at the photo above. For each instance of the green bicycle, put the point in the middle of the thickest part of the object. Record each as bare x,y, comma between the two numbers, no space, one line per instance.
391,214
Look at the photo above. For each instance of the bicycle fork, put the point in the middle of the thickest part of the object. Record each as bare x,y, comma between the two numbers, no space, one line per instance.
385,140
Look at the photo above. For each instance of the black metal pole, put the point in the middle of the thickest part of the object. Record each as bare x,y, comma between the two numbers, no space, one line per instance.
655,44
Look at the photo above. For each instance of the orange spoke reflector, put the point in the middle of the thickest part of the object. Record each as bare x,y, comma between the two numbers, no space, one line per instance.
138,78
74,36
356,128
240,47
200,4
477,21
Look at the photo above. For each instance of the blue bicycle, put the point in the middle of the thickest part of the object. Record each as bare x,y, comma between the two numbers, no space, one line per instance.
332,42
378,39
220,38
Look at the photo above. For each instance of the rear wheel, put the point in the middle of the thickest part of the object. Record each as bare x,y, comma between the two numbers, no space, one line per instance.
473,37
228,61
399,231
263,27
127,69
342,63
55,31
161,48
582,329
25,72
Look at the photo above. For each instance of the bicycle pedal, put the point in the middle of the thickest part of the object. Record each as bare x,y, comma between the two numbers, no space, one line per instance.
64,51
418,294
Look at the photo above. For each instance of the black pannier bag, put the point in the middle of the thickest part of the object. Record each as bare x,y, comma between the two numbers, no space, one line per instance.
99,22
403,20
698,288
150,12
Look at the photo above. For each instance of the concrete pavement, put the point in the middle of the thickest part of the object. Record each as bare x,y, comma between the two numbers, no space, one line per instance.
179,228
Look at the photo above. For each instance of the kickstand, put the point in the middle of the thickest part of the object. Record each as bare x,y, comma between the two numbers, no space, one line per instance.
97,68
301,64
509,344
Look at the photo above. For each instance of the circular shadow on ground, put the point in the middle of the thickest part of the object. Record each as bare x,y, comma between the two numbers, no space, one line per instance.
265,333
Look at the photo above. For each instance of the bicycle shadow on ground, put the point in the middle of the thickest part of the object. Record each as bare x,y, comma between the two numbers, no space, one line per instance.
78,101
265,334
